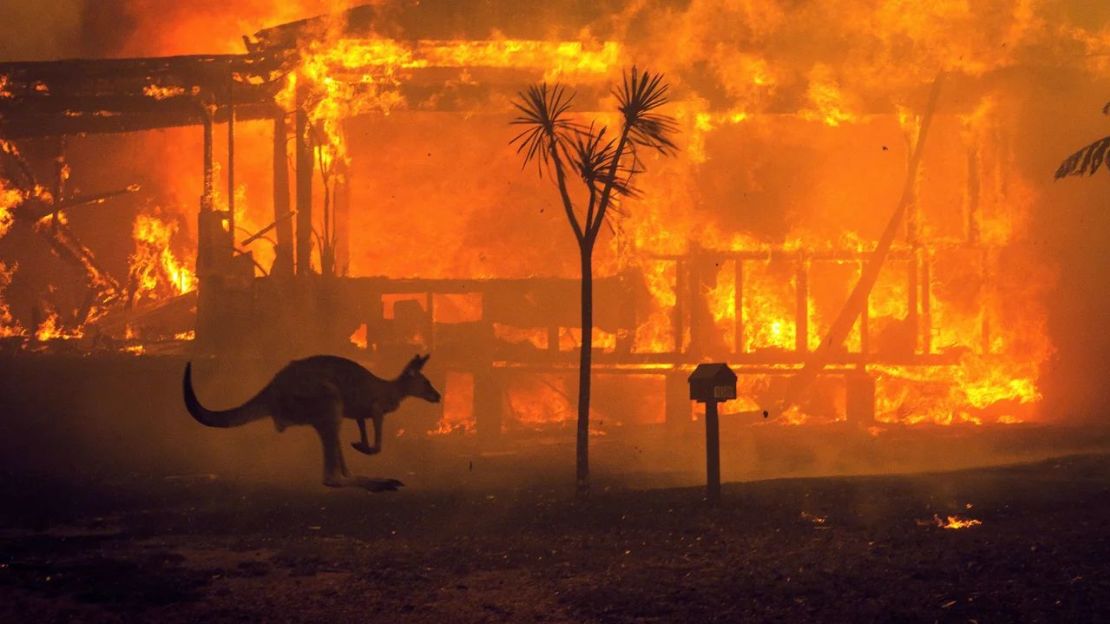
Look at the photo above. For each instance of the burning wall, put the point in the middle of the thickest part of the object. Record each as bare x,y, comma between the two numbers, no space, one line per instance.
793,141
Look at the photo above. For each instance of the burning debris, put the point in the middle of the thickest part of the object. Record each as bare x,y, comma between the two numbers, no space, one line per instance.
155,272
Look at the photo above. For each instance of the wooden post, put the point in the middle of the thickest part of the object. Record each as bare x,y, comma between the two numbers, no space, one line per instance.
926,313
304,189
864,330
738,305
341,205
712,454
205,217
801,307
710,384
913,291
341,212
209,186
231,156
696,303
679,304
283,262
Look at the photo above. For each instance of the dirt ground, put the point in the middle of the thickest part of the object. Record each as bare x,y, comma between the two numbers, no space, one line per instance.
840,549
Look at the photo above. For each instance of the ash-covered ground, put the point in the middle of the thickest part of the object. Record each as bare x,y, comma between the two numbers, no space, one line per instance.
202,547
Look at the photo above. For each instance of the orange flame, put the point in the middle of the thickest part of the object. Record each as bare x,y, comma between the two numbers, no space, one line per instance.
156,271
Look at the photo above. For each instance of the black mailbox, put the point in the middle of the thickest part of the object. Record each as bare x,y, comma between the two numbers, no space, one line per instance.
710,383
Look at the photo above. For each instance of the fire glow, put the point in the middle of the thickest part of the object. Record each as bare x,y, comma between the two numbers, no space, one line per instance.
956,331
955,523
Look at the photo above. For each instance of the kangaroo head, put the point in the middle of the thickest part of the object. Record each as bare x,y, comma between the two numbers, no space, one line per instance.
414,383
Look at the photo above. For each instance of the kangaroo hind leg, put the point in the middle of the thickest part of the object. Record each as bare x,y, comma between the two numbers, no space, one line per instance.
335,469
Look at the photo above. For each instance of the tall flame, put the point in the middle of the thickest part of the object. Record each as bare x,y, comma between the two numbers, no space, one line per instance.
155,270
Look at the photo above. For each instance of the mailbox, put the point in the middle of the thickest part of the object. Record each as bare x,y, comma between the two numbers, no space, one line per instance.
712,383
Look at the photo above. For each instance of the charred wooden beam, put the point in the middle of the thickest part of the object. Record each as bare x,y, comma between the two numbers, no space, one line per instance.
31,124
844,321
262,233
33,210
303,155
283,252
230,102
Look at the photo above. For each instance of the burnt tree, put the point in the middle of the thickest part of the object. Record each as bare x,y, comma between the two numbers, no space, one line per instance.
604,164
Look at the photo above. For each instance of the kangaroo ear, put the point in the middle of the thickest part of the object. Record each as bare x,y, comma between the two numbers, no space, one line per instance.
418,362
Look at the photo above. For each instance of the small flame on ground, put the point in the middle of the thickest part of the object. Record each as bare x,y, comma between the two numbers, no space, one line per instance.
953,522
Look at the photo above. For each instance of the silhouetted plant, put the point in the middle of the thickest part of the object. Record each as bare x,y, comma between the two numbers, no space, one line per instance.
1088,159
605,164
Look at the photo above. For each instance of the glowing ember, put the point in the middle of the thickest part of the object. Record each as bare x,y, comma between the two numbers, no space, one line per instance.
814,518
162,93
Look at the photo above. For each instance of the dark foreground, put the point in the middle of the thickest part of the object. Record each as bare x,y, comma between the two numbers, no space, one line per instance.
835,549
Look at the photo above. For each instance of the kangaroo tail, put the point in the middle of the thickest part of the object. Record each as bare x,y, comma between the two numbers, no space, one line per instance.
253,409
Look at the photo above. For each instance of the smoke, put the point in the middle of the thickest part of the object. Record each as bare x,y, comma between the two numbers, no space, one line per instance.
131,28
32,31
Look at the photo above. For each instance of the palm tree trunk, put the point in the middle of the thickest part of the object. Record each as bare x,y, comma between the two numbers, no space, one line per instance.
583,440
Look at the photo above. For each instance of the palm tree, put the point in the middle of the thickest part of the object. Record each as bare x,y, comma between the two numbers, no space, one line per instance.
604,164
1090,158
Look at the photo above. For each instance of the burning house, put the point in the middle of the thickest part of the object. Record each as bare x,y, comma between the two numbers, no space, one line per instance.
344,183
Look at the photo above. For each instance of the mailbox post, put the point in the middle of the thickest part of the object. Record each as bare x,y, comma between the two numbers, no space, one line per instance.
712,384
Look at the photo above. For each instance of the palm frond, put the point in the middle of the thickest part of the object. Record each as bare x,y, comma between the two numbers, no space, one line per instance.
595,159
1087,160
639,95
544,113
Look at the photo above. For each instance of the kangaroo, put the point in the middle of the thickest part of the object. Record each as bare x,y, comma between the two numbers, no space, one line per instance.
320,391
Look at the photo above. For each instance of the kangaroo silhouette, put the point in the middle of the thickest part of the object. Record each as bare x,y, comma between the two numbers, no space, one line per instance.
320,391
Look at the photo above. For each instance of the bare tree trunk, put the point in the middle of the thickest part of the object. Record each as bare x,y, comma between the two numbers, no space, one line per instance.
584,362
